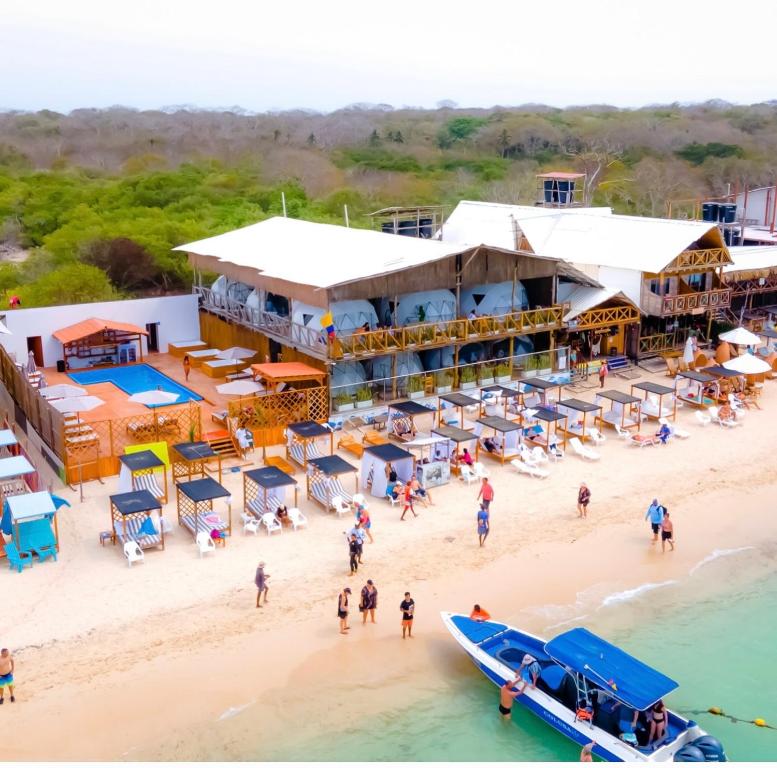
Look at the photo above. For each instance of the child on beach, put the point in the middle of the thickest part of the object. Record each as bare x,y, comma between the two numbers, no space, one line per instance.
6,674
407,606
667,532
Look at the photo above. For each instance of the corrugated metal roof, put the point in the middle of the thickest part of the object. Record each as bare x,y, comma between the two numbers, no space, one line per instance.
749,258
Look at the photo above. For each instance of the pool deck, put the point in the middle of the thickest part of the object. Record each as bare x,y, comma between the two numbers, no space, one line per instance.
117,403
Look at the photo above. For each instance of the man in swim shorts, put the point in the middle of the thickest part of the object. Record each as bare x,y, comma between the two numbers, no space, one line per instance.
507,694
6,674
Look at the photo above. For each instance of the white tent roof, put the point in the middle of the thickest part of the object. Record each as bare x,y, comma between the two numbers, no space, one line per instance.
751,257
320,255
582,298
577,235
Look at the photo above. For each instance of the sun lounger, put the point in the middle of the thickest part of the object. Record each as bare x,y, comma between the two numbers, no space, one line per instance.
675,431
529,469
702,418
129,530
715,416
250,523
348,443
220,417
582,451
149,483
402,429
202,526
643,441
467,475
554,452
595,435
297,452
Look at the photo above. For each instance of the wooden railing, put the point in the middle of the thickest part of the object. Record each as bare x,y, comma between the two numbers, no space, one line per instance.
699,260
752,285
680,303
662,342
600,318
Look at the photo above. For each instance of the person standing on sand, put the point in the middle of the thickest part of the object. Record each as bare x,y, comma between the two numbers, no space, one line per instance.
353,551
407,606
261,584
484,525
486,493
408,502
369,601
342,610
363,518
583,497
667,531
507,694
6,674
655,514
603,371
187,366
359,532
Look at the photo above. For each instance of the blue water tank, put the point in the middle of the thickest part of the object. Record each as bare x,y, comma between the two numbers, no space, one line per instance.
709,211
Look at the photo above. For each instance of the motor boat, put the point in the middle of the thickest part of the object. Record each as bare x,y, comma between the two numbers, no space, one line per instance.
588,689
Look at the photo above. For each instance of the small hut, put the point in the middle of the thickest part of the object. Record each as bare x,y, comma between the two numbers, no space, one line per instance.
697,388
195,506
139,471
375,460
323,480
190,460
455,438
31,520
548,435
503,445
401,419
538,392
264,490
13,473
456,400
495,396
137,516
659,401
624,410
301,443
577,413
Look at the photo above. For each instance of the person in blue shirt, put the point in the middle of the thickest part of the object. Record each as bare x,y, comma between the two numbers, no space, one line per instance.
664,433
484,525
655,514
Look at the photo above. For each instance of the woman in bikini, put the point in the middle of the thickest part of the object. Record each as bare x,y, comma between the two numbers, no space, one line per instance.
657,722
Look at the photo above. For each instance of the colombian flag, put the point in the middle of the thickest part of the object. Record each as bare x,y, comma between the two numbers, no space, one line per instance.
328,324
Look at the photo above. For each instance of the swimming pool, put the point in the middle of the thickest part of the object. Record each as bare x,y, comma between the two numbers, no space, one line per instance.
136,378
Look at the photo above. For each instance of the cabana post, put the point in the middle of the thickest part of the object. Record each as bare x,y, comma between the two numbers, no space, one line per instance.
570,408
625,411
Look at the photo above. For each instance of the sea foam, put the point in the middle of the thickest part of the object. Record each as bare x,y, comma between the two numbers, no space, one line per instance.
232,711
715,555
631,594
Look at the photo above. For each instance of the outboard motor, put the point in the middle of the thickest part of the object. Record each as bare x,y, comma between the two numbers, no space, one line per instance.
689,754
711,747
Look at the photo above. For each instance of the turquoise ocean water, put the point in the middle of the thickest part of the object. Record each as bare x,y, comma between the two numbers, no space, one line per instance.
713,631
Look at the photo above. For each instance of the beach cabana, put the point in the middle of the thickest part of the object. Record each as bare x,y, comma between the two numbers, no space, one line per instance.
373,467
578,412
7,442
324,480
537,391
195,506
548,435
13,471
265,489
31,520
494,396
454,439
624,411
137,516
301,443
654,406
190,460
697,388
729,380
455,400
401,419
139,471
506,436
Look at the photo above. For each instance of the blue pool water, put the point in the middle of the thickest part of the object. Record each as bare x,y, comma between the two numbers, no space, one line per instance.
136,378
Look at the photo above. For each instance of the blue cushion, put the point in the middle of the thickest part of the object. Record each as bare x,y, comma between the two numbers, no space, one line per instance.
148,528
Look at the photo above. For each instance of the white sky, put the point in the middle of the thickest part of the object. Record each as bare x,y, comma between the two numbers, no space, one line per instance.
282,54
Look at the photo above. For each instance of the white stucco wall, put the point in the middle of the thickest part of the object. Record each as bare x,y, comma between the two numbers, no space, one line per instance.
627,280
177,316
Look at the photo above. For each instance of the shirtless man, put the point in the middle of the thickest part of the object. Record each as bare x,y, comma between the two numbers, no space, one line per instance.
507,696
6,674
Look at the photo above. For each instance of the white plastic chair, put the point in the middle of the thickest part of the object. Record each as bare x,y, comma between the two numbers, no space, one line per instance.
467,475
526,455
582,451
339,506
530,469
133,553
539,456
675,431
737,405
479,470
204,543
596,435
702,418
715,415
392,500
623,433
250,523
270,522
298,520
555,452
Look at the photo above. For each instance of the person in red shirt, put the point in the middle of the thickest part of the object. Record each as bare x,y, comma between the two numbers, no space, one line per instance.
486,494
479,614
408,502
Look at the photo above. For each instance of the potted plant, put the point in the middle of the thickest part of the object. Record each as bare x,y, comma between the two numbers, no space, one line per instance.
343,402
363,397
503,373
415,387
468,378
544,366
530,366
486,375
443,382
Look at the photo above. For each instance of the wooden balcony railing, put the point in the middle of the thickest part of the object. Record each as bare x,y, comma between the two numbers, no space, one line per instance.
679,304
601,318
699,261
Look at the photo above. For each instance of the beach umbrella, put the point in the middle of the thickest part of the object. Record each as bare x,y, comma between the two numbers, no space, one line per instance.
154,397
748,364
31,367
57,391
688,356
740,336
77,404
240,388
236,353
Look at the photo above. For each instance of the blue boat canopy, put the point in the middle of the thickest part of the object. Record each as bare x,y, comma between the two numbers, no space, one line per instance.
477,631
627,679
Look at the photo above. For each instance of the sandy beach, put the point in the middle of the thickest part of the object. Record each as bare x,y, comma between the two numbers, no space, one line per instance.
170,659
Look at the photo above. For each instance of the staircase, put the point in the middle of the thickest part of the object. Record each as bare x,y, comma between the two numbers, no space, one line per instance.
620,365
221,443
